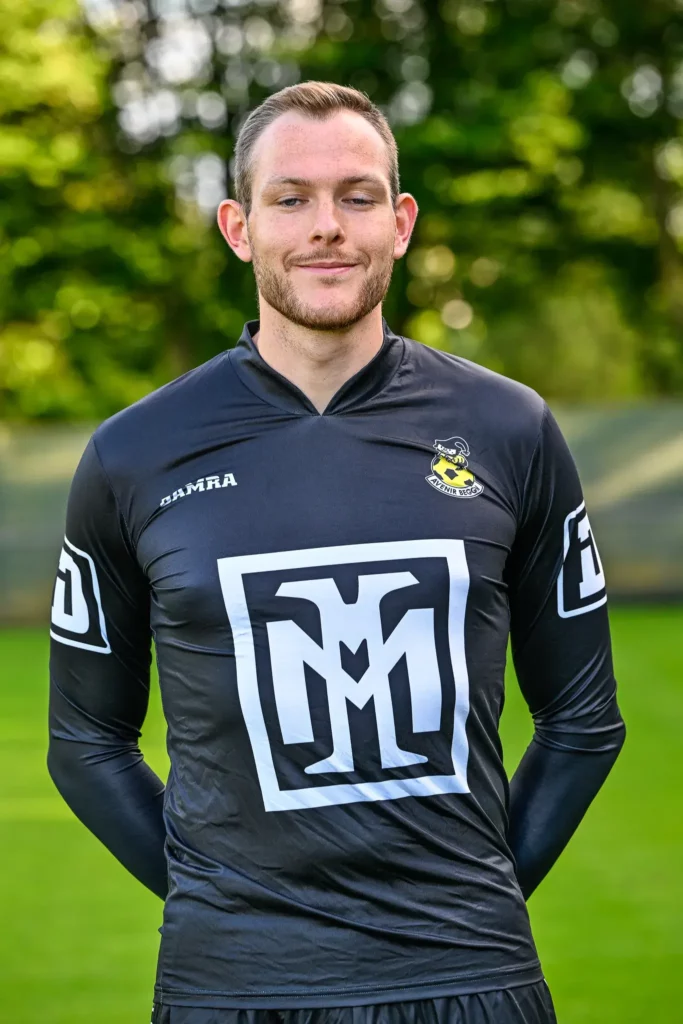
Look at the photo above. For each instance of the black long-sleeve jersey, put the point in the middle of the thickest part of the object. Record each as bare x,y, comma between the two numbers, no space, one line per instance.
330,597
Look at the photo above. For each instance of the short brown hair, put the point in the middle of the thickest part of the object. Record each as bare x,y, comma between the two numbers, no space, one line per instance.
317,100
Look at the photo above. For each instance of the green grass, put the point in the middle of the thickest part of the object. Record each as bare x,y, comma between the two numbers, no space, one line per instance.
79,938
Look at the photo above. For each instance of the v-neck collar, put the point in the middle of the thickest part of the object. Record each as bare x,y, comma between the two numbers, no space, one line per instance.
272,387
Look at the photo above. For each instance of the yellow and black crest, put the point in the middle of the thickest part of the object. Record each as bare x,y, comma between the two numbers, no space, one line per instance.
450,473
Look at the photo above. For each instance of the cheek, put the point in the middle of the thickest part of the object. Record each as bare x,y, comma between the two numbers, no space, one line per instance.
376,238
272,239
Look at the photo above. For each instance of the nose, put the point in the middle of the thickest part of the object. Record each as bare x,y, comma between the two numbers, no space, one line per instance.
326,226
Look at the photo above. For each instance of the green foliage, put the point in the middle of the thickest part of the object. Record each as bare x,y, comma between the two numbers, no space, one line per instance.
105,287
542,139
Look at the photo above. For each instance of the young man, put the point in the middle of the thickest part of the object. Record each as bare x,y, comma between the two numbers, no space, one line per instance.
330,531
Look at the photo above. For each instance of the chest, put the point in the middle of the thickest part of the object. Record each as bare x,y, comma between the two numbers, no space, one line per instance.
318,500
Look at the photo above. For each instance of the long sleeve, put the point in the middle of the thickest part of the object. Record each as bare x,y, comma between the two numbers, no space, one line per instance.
99,680
562,655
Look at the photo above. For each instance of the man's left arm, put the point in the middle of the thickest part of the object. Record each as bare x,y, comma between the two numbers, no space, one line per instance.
562,655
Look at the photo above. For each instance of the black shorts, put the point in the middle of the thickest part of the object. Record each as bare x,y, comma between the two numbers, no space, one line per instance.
527,1004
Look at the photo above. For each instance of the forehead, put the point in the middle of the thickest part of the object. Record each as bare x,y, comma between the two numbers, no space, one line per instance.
343,145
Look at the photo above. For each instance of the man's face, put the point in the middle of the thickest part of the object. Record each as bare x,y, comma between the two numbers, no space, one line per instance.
322,231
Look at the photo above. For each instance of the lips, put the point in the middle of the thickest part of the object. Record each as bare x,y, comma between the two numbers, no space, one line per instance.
326,268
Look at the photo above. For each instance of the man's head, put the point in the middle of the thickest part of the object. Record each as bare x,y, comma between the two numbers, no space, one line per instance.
318,209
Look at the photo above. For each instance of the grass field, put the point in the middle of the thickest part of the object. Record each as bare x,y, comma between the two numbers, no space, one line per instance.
78,939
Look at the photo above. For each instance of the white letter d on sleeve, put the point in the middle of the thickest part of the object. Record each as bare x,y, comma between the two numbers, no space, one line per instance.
581,583
77,615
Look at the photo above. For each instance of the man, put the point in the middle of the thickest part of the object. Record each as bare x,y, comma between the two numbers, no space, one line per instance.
330,531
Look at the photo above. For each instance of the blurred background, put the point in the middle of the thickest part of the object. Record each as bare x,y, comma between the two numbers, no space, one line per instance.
543,140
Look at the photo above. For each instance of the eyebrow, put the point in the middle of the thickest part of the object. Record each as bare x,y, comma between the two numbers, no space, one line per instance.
354,179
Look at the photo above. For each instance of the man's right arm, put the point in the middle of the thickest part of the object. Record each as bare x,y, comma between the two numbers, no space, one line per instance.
99,680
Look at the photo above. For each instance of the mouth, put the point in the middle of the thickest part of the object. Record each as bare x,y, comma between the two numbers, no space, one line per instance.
327,269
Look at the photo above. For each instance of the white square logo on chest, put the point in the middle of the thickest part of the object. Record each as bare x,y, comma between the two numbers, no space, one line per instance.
351,670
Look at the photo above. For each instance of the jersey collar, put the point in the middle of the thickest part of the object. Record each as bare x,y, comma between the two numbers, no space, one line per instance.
272,387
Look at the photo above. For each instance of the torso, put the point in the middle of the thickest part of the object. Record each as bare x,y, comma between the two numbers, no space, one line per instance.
330,613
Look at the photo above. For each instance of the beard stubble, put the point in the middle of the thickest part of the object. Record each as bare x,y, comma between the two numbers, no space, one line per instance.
278,291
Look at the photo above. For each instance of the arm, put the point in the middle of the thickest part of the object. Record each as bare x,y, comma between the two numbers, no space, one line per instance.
99,681
562,655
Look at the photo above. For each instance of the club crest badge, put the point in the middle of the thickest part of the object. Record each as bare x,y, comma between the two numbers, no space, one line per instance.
450,472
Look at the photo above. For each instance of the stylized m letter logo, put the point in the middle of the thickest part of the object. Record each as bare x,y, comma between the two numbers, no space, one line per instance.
352,625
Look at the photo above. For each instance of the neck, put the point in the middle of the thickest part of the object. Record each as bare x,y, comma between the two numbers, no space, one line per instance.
317,362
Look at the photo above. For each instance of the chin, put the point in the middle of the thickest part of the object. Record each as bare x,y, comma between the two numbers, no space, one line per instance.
332,318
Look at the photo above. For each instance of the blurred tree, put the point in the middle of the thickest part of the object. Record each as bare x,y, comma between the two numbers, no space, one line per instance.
542,139
107,280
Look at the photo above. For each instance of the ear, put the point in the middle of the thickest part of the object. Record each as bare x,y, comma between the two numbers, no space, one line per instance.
406,215
233,226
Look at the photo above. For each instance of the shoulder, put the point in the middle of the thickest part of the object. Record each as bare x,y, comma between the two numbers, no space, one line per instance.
505,404
137,438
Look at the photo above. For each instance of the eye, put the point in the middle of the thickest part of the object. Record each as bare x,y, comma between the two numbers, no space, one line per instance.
360,201
288,202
